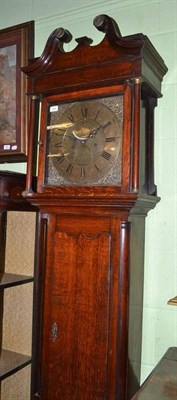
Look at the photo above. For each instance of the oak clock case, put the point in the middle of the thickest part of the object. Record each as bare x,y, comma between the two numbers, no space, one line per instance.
95,186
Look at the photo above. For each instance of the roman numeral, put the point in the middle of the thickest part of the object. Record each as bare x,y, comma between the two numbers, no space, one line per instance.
82,172
97,114
59,144
96,168
58,133
69,169
106,155
61,159
71,118
84,112
110,139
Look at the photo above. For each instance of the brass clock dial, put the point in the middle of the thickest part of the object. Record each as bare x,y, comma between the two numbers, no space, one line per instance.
84,141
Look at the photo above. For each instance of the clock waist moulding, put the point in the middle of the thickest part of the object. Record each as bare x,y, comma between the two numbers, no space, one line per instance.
95,186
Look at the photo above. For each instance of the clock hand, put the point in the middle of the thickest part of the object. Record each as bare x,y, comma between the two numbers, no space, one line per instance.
94,131
83,138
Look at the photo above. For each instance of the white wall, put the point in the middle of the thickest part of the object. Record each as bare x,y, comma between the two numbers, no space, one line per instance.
158,20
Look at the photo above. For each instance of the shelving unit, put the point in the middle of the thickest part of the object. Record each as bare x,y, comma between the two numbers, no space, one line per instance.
9,280
12,361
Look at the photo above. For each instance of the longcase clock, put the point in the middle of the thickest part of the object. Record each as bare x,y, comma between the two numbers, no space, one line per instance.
95,187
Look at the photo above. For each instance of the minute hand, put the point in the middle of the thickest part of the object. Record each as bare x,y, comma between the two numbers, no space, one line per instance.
94,132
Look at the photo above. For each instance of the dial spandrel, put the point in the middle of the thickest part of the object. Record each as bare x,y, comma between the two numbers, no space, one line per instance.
84,142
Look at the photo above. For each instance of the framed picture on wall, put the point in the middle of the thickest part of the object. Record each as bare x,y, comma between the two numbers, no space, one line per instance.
16,48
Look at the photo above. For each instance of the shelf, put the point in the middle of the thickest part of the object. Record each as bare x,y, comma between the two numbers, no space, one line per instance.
11,362
9,280
173,302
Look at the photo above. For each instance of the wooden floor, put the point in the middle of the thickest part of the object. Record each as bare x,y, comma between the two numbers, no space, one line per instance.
162,382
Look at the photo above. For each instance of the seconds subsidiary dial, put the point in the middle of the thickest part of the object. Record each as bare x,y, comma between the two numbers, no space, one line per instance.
84,141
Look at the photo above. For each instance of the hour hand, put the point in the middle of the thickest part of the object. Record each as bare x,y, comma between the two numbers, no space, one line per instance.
93,132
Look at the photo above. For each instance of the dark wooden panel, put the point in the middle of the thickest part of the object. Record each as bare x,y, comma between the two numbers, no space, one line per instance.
12,184
39,272
3,223
77,310
127,58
